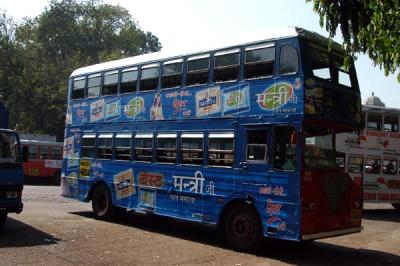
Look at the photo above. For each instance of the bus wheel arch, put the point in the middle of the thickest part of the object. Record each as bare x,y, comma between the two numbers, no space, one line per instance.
101,198
240,224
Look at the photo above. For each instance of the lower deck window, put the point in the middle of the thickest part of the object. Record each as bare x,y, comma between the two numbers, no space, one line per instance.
285,148
373,165
88,149
355,164
220,149
166,148
192,149
123,147
144,147
105,147
389,166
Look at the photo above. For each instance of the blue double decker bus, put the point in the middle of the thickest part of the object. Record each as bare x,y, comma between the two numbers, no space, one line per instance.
241,137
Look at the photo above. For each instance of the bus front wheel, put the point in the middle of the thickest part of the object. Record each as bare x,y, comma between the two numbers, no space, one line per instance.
3,218
396,206
101,202
242,228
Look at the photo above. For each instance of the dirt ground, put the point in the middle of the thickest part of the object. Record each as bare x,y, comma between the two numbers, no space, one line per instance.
56,231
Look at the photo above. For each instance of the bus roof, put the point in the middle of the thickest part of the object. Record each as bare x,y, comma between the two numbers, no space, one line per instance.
380,109
165,55
41,142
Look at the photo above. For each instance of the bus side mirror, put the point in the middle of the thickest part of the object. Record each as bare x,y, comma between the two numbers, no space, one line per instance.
25,154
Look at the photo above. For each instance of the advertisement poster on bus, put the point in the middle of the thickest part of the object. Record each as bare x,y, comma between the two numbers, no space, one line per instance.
236,99
208,101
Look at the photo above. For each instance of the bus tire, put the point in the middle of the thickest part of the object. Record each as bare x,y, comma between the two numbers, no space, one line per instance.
242,228
3,218
396,206
101,203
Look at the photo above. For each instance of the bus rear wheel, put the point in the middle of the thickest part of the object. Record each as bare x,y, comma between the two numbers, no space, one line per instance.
242,228
3,218
102,203
396,206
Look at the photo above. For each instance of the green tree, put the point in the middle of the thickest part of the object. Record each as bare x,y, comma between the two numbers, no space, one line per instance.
367,26
43,51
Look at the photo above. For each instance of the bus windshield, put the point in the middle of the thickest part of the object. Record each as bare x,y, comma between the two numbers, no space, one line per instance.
319,149
8,148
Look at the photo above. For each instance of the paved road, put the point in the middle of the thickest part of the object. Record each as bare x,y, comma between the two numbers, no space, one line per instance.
56,231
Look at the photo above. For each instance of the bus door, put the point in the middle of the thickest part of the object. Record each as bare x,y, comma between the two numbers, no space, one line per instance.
254,165
373,179
355,166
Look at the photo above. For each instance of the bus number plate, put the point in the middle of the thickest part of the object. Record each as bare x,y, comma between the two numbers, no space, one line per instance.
33,171
147,198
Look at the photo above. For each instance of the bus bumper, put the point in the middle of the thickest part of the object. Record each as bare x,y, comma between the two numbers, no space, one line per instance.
332,233
10,198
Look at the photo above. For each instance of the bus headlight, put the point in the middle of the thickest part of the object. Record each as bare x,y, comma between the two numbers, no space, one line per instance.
11,194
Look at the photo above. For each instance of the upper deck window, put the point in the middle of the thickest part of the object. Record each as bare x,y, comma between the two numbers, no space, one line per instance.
288,61
129,80
226,65
374,122
391,123
78,88
149,77
110,85
328,66
197,70
172,74
56,153
94,86
259,61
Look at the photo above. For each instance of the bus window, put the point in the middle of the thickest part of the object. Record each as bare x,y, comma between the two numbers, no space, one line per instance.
110,85
355,164
122,146
104,150
144,147
256,145
192,148
320,64
33,152
259,61
88,149
44,152
373,165
166,148
149,77
289,61
56,153
94,86
172,74
285,148
374,122
389,166
220,149
226,65
78,88
391,123
128,80
197,70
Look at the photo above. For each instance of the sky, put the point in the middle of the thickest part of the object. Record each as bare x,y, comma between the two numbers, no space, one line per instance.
183,25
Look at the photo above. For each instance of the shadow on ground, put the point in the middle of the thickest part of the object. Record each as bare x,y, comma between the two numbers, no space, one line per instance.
390,215
18,234
41,181
316,253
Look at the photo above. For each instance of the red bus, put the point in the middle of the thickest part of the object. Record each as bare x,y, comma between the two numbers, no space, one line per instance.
44,159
